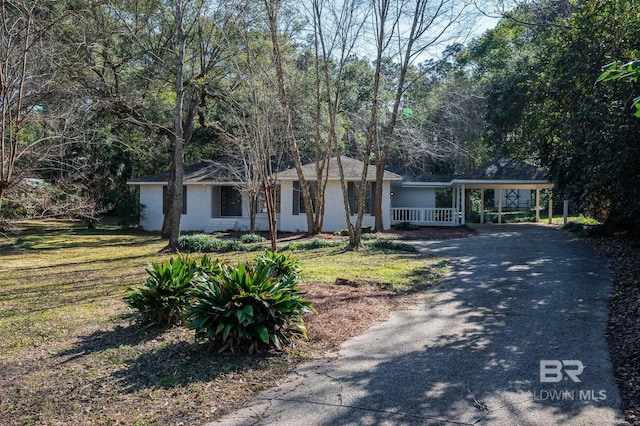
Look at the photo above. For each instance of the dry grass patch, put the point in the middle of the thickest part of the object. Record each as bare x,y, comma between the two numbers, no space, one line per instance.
70,352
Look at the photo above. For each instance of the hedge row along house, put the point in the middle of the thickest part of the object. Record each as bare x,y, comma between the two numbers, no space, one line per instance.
217,199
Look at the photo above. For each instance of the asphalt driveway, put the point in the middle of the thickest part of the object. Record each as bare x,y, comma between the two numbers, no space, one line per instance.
515,335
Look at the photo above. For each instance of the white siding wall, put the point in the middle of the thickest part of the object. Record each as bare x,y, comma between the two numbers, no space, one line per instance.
151,202
288,222
413,197
200,204
198,208
334,219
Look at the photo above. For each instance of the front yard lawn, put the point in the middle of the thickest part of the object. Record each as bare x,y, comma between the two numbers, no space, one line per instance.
70,351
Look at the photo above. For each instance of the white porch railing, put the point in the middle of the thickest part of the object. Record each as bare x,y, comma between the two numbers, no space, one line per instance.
425,216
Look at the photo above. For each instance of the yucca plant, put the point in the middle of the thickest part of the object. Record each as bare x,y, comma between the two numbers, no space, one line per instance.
166,293
247,307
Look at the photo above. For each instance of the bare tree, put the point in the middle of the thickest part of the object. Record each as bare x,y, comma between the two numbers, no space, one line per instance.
254,109
404,31
272,8
337,28
28,127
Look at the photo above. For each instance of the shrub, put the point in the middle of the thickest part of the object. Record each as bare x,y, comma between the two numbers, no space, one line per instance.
247,307
202,243
315,243
283,266
405,226
252,238
385,244
166,293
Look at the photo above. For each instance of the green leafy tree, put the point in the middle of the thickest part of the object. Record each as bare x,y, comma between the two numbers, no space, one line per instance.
617,71
153,65
584,131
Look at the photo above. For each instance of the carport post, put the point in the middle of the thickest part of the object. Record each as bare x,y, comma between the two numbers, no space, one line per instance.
454,203
500,206
482,206
464,204
537,204
550,206
565,212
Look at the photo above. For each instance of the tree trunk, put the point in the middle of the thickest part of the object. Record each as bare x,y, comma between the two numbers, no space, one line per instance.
270,201
271,7
253,203
174,209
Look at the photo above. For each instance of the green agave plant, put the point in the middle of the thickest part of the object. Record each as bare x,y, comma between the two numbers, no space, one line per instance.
166,294
247,306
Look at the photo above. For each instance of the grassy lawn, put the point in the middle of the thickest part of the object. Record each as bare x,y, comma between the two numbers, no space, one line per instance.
70,351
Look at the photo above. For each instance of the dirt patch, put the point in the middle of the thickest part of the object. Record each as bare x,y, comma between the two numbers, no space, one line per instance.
345,311
623,331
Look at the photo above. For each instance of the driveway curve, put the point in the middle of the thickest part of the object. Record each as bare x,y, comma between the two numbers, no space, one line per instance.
517,297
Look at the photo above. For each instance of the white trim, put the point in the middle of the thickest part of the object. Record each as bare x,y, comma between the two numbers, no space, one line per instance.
426,184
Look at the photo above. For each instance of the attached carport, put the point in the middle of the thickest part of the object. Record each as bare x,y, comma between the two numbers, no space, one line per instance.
502,174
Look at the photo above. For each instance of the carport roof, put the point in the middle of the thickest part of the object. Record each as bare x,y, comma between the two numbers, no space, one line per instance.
502,173
505,173
507,169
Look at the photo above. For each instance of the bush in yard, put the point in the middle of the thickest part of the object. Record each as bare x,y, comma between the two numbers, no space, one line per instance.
385,244
252,238
166,294
247,307
203,243
283,266
195,243
315,243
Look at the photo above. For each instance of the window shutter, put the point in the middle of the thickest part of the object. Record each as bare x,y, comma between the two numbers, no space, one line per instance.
351,195
296,198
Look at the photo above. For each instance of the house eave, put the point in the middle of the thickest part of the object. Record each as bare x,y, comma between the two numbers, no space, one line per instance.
426,184
502,184
187,182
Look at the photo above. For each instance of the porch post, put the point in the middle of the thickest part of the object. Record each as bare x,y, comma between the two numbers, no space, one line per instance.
482,206
550,206
454,202
537,205
499,205
464,204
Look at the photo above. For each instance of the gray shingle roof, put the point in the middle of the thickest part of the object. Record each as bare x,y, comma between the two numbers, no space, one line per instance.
507,169
352,171
202,172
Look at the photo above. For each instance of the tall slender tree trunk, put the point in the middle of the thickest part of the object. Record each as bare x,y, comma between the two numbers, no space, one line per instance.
272,13
174,209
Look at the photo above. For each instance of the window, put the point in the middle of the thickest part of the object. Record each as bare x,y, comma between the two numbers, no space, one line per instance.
298,201
165,189
353,188
230,201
